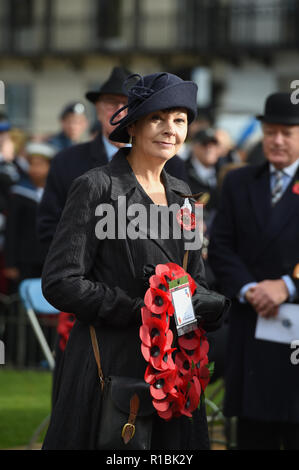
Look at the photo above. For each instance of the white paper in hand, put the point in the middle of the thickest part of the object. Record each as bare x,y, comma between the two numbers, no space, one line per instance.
284,328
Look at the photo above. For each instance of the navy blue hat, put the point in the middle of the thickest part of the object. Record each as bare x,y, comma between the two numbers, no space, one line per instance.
154,92
113,86
279,109
72,108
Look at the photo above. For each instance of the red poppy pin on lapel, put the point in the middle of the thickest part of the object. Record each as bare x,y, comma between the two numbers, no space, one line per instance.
185,216
295,187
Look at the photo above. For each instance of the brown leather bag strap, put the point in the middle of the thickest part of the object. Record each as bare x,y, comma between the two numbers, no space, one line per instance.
128,430
185,260
96,352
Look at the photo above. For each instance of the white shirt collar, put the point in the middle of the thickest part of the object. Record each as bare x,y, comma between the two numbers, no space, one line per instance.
203,171
288,170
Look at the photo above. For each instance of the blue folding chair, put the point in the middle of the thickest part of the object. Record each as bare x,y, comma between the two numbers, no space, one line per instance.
30,292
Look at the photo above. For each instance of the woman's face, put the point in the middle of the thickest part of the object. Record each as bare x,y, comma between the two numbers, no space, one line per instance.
161,133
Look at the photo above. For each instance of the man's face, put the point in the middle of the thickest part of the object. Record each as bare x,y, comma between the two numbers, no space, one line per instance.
74,125
207,154
281,144
106,106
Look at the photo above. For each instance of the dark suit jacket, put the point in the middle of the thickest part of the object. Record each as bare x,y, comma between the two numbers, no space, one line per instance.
100,281
251,241
22,249
68,165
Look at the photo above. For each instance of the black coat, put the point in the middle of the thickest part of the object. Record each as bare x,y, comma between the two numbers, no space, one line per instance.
251,241
100,281
22,249
68,165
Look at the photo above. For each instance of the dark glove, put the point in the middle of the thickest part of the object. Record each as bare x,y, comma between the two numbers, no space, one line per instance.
148,271
210,308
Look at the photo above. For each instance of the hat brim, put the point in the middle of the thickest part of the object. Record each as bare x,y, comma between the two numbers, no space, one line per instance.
180,95
92,96
285,120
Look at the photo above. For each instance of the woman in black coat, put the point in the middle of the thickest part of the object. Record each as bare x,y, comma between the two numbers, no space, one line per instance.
96,271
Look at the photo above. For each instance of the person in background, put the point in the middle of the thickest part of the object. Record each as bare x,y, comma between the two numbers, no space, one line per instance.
202,172
226,148
73,122
253,252
10,174
22,251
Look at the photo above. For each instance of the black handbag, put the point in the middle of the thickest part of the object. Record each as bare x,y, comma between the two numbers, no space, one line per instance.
125,421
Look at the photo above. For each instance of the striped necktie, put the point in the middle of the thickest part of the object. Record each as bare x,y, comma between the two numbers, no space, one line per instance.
277,190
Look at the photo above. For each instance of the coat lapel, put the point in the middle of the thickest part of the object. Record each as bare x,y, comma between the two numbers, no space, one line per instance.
124,183
259,191
277,217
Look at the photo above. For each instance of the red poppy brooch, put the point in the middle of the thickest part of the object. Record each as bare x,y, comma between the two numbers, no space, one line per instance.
295,187
177,375
185,217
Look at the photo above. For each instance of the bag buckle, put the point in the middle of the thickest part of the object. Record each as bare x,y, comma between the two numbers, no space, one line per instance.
128,432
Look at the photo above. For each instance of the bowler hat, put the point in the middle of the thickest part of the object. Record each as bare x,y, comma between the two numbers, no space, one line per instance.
279,109
154,92
114,85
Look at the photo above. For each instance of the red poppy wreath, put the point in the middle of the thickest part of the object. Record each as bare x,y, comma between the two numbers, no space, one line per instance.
177,375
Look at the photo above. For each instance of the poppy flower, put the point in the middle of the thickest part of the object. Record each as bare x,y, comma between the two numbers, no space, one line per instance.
295,187
192,397
156,300
183,364
204,376
163,384
159,347
189,340
150,329
146,315
158,282
186,219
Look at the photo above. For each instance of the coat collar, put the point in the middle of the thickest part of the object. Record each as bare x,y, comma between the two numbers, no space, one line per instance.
98,151
123,182
123,178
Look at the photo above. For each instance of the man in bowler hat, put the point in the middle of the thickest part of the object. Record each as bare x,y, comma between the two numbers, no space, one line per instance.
253,252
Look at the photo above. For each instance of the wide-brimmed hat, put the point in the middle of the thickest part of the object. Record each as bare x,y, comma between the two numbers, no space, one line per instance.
279,109
113,86
154,92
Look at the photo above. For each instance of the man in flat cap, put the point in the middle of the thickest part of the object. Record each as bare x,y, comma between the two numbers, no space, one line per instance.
73,123
253,252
